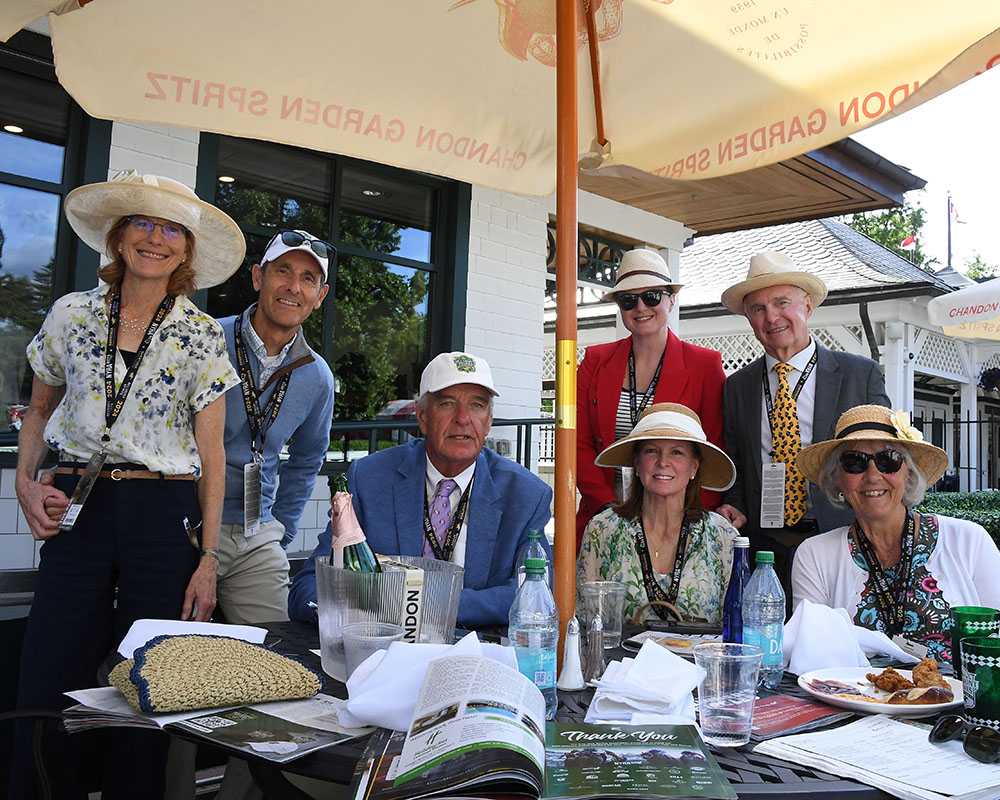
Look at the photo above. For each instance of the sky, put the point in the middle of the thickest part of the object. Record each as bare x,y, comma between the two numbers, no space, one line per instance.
953,142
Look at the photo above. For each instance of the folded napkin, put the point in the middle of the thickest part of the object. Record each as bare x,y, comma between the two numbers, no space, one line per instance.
655,682
383,689
817,637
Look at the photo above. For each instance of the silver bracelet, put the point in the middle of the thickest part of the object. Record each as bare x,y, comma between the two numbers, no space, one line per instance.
211,553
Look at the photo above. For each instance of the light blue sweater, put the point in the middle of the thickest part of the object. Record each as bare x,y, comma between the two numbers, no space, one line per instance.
303,422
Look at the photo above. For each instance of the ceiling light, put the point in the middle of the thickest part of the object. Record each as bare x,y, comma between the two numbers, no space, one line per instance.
13,129
372,192
227,179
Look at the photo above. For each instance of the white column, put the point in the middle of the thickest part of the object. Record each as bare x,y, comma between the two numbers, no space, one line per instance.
893,358
970,480
673,259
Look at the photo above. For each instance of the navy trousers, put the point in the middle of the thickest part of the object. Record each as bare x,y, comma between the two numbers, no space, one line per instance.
126,558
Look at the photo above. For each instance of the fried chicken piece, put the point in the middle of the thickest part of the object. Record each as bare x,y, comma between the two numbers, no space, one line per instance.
926,674
889,680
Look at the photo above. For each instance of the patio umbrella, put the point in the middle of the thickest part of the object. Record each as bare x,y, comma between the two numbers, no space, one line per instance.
682,89
969,313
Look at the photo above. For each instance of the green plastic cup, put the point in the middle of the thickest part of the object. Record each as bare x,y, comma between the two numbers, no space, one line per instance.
970,621
981,680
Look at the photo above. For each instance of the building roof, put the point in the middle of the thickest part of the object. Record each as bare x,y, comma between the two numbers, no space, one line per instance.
848,262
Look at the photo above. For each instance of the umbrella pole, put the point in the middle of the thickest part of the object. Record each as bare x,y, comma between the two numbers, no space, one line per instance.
567,154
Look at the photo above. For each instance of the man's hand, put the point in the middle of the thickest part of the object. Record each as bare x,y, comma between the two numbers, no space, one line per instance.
43,504
733,514
200,594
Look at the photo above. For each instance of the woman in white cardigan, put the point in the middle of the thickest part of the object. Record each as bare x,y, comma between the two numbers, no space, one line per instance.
893,570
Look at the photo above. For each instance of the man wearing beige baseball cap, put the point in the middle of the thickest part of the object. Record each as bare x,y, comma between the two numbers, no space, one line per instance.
784,401
445,496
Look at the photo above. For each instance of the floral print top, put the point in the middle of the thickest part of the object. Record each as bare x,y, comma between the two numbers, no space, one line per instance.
928,616
608,553
185,368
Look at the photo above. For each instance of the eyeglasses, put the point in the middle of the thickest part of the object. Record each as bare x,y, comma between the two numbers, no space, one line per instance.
651,298
171,231
978,741
296,239
855,462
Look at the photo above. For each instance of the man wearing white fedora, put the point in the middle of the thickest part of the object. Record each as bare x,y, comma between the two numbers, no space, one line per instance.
782,402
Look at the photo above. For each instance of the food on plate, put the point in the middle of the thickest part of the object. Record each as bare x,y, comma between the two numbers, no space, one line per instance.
889,680
922,695
838,689
926,674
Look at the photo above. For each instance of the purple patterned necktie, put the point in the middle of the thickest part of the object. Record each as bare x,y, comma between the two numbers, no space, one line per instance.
440,512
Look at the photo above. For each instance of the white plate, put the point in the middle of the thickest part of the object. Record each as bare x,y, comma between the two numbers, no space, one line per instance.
855,678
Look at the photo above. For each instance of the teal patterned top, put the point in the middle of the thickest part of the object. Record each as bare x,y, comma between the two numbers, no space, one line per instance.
608,553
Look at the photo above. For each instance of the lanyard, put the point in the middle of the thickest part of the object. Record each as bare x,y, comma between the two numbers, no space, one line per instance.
457,519
115,401
650,391
653,589
890,600
799,386
259,421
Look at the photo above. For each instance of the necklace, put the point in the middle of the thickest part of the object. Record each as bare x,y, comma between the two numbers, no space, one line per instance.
135,326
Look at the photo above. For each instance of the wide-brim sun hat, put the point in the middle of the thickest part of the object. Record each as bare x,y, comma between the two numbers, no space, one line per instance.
641,269
772,268
93,209
873,423
673,421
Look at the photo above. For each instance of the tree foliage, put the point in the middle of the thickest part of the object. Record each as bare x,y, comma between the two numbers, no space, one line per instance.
889,228
977,269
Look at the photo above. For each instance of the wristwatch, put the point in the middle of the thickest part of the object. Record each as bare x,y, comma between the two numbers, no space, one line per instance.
211,553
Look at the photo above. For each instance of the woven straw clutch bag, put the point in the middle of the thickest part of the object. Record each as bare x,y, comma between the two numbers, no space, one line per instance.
182,673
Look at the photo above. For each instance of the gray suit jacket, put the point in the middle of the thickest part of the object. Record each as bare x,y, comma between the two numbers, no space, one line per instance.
843,381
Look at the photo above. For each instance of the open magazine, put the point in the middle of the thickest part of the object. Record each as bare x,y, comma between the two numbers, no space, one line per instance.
479,730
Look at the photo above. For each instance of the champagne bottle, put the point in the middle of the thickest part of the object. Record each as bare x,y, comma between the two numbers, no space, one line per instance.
349,549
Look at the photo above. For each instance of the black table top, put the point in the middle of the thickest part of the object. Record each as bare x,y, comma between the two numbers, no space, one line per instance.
753,776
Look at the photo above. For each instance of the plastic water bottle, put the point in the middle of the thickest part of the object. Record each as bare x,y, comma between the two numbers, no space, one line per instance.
764,618
534,632
732,606
532,548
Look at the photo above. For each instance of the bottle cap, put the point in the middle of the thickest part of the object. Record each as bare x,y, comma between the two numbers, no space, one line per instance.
534,565
765,557
533,533
741,541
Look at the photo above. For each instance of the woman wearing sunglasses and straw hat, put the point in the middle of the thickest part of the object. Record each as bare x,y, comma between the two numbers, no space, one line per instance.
128,389
892,569
660,543
617,381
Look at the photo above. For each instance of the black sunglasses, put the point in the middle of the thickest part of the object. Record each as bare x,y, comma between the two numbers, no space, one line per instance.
651,297
978,741
886,461
296,239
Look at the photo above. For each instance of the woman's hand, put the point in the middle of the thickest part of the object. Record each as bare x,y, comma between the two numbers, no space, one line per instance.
42,503
200,594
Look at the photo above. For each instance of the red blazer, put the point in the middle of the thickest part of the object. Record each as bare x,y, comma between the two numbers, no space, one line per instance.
691,375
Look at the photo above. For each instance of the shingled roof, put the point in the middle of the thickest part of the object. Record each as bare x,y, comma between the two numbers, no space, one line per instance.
848,262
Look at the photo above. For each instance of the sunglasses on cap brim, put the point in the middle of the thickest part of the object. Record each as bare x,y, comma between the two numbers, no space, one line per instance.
978,741
296,239
651,297
854,462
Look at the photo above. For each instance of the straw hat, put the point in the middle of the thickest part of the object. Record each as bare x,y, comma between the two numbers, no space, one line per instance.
641,269
93,209
673,421
772,268
875,424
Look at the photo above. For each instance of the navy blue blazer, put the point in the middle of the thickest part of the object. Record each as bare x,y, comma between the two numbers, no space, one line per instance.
388,490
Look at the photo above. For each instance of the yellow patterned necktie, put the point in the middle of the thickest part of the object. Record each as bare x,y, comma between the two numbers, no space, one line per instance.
787,443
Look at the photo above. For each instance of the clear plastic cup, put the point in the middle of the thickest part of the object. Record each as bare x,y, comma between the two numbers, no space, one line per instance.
727,694
361,639
606,598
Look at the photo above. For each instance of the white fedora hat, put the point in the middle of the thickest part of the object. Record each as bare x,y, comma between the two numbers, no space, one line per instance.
772,268
641,269
93,209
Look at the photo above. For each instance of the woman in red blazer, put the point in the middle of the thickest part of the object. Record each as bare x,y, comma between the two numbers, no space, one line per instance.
620,379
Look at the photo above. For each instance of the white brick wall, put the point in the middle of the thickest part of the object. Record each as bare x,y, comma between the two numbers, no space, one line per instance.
155,150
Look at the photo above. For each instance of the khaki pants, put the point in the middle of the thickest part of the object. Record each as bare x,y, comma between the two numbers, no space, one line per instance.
252,582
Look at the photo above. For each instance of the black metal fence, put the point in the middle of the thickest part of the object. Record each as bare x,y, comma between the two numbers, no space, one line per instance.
964,438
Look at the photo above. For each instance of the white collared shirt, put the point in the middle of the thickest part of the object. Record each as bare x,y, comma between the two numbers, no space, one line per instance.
464,480
805,403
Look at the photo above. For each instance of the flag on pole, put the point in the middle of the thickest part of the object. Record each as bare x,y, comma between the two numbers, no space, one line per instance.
909,243
954,213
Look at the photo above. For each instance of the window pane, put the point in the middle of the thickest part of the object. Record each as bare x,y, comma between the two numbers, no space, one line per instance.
41,109
377,204
28,222
380,336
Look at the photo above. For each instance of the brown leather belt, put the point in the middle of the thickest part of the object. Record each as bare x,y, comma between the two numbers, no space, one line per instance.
126,474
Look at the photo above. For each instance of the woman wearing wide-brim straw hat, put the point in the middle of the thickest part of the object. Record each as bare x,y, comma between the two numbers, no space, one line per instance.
892,569
617,381
152,433
660,543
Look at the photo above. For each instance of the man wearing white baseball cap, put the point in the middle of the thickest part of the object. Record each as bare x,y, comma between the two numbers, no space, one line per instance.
444,496
286,396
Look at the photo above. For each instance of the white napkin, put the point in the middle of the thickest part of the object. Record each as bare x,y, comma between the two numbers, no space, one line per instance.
383,689
817,637
655,682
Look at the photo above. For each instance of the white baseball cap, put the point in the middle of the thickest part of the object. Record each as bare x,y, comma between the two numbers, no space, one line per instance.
450,369
286,241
